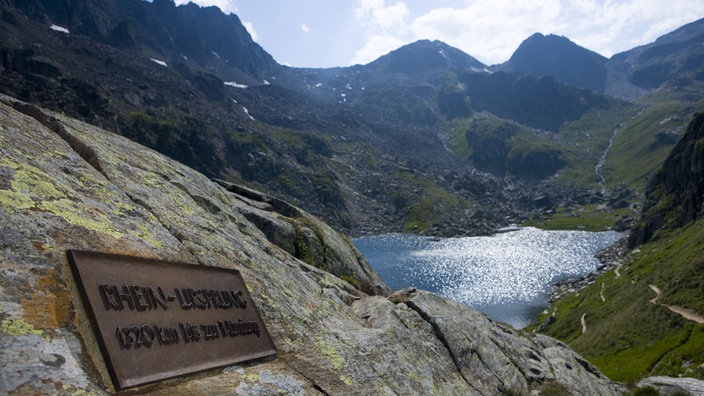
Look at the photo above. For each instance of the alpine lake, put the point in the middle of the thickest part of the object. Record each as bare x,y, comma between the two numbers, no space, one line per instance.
509,275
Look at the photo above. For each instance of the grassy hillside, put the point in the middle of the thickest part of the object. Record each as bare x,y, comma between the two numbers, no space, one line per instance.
647,138
493,143
628,336
586,140
588,218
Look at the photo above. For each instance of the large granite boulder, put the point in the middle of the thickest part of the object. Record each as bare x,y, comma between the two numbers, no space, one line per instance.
68,185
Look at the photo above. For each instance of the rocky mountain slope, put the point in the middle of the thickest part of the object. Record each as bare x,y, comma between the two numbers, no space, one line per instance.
69,185
560,58
673,58
674,194
424,139
657,284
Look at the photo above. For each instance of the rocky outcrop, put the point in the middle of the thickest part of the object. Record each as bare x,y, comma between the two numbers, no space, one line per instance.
673,386
307,238
68,185
536,164
674,195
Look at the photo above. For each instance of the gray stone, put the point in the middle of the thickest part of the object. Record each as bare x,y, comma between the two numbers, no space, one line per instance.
670,385
69,185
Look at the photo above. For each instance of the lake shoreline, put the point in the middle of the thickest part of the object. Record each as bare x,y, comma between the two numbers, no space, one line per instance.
609,257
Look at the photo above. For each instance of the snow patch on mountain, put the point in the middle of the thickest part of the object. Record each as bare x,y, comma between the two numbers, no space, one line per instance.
158,62
58,28
235,84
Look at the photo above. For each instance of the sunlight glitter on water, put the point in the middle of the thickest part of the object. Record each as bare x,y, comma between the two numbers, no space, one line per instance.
509,276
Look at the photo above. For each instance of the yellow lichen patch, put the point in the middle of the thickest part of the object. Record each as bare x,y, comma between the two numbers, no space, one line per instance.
73,214
33,182
18,198
250,377
18,327
121,208
14,201
7,163
346,379
32,188
66,388
330,354
291,345
143,234
97,185
184,209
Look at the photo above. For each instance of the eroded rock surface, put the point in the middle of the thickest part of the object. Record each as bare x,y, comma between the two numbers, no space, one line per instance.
673,386
68,185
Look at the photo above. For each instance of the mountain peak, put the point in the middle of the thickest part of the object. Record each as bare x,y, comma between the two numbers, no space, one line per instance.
559,57
426,55
537,36
203,37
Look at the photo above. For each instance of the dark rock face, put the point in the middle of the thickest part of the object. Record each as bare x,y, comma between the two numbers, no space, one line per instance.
538,102
560,58
674,194
489,152
204,36
535,164
68,185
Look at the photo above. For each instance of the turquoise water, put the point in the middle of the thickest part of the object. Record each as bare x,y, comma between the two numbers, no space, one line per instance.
509,276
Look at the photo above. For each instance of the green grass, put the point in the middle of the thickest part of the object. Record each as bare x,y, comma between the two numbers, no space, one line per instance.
585,140
433,204
587,218
581,142
636,145
457,131
627,336
636,154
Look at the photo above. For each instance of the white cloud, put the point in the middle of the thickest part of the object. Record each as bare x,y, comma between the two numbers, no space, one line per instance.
623,25
385,28
250,28
492,29
487,29
377,16
226,6
374,47
305,28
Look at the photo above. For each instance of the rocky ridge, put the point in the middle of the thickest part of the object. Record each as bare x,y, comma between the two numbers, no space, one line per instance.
674,194
69,185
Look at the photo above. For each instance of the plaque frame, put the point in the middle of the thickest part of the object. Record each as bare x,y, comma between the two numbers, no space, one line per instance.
155,319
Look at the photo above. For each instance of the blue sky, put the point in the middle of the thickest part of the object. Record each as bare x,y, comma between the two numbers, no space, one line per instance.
326,33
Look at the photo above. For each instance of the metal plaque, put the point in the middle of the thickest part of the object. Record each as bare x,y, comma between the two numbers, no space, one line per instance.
155,319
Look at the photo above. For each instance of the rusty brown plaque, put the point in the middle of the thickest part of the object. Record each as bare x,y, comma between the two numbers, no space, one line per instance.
156,319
